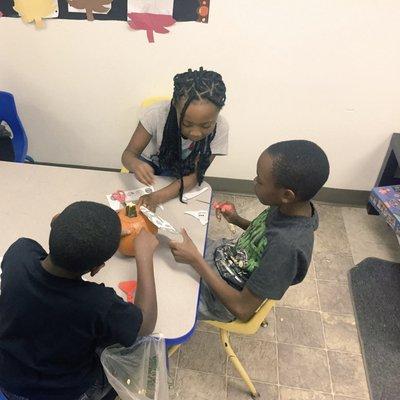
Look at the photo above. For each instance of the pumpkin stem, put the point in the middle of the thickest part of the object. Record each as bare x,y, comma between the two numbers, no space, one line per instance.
130,210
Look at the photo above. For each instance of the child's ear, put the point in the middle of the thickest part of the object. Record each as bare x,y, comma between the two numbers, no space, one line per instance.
95,270
288,196
53,219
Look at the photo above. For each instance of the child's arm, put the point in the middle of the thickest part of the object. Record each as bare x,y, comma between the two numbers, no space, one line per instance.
130,157
243,304
171,191
145,297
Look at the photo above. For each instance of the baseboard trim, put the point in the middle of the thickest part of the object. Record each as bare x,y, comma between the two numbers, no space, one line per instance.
246,187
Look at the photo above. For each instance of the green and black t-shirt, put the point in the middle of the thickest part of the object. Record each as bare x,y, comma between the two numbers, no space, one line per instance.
273,253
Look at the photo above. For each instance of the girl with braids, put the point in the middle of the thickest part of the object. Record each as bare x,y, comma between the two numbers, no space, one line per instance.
181,137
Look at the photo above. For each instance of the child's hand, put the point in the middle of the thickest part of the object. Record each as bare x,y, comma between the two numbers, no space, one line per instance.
145,243
228,211
150,201
185,252
144,172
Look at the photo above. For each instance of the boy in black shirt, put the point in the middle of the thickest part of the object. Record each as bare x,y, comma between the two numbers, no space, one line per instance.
275,250
52,323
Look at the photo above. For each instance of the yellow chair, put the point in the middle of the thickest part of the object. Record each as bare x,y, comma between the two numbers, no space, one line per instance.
243,328
145,104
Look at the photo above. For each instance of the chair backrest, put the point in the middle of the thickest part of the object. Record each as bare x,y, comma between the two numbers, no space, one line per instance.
153,100
251,326
8,113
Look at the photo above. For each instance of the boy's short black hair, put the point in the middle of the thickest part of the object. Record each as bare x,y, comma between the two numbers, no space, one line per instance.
299,165
84,236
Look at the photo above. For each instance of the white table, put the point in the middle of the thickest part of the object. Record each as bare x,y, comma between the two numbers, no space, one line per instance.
32,194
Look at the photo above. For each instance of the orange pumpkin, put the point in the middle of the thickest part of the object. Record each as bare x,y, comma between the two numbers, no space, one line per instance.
134,222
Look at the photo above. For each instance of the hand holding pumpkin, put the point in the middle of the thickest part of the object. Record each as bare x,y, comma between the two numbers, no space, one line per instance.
132,225
145,244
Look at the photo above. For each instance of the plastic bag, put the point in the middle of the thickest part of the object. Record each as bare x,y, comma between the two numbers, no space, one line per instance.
138,372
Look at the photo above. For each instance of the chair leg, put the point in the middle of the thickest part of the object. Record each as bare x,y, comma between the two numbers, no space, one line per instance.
172,350
236,363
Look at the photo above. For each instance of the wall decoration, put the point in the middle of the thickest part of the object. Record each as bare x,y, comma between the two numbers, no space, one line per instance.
114,10
150,23
191,10
7,8
35,10
149,15
90,6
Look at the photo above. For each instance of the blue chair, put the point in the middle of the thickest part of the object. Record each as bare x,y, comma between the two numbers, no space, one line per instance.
2,397
8,113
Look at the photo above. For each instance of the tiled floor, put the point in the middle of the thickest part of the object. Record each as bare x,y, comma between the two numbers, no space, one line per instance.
310,350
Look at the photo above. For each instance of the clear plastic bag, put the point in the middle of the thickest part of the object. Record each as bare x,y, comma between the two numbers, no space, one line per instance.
138,372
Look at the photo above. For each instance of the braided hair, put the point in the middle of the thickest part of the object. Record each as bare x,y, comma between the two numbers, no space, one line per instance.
192,86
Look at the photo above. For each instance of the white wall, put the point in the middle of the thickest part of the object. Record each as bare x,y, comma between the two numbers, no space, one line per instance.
325,70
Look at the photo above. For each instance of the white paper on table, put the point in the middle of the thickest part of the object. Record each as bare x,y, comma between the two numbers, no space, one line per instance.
201,215
130,195
194,193
158,221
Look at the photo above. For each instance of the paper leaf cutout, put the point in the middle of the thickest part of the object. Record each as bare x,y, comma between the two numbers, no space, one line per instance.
90,6
34,10
150,23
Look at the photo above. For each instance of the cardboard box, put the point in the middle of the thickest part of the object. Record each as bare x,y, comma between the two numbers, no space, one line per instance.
386,200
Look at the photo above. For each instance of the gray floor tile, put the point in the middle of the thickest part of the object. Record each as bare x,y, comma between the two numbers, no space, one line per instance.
331,240
222,196
311,274
248,207
299,327
341,333
195,385
301,394
257,357
331,233
237,390
329,214
302,296
303,368
361,226
348,376
334,297
203,352
219,229
333,266
385,251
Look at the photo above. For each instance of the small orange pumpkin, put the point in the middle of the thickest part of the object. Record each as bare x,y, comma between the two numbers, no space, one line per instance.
134,222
